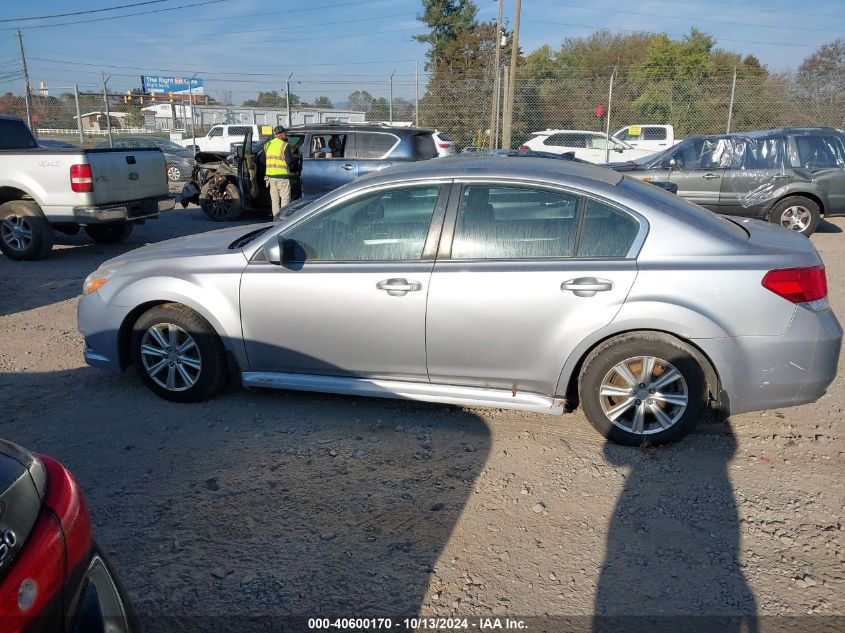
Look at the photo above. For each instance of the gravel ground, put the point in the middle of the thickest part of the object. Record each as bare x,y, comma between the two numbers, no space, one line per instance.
280,503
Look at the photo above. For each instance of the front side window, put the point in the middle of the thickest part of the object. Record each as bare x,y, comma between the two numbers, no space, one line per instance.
388,225
600,142
374,144
704,153
654,133
215,131
327,146
515,223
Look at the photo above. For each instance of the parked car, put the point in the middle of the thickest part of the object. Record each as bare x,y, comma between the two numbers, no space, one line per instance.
105,191
508,282
325,157
53,578
593,147
220,137
789,176
444,144
180,161
654,138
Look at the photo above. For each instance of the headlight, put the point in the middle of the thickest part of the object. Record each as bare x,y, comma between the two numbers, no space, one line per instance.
95,280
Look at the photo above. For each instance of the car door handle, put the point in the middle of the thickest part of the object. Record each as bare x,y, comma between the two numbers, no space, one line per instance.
586,286
399,287
711,176
348,167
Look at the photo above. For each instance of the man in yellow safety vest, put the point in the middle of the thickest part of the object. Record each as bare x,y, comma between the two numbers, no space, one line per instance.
278,169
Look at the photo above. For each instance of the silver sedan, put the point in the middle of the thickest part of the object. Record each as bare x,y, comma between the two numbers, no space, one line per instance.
507,282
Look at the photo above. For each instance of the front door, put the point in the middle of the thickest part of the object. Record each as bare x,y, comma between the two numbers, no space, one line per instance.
698,169
349,298
525,282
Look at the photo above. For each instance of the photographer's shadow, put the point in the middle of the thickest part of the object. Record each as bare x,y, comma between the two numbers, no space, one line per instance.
673,543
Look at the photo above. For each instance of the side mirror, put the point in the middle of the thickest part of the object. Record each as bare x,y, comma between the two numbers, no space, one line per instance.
273,250
618,149
673,164
293,253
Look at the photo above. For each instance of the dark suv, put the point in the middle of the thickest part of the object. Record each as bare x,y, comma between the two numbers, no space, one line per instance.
325,157
789,176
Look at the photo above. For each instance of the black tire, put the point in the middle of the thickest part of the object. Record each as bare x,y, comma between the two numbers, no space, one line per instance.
629,350
109,233
221,203
174,174
208,379
797,213
25,234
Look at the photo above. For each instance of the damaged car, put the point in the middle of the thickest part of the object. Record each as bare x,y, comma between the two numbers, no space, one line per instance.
788,176
325,158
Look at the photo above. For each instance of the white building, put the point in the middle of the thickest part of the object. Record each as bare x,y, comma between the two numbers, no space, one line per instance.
177,116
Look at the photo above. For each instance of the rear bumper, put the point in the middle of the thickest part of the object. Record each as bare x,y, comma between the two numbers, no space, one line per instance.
768,372
125,211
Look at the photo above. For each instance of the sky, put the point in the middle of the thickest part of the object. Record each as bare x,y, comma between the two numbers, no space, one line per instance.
333,47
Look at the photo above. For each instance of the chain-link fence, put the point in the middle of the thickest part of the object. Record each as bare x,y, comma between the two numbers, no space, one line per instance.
461,106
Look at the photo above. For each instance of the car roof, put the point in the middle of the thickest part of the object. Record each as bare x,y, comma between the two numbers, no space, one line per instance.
498,167
556,131
358,127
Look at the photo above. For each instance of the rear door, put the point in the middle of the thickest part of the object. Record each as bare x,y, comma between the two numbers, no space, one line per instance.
822,158
375,151
524,273
759,168
327,161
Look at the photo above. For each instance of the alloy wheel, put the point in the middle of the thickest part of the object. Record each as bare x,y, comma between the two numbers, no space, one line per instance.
644,395
171,357
16,232
796,218
173,173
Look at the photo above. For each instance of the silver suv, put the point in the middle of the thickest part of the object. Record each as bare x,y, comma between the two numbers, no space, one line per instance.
789,176
508,282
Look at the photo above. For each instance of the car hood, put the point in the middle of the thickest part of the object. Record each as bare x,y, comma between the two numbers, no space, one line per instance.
626,166
211,243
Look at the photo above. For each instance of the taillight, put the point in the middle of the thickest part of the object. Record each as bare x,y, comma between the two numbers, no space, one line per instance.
798,285
443,145
81,178
524,148
59,541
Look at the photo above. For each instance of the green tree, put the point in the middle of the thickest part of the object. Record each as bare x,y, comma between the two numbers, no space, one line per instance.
446,20
272,99
323,102
821,83
361,100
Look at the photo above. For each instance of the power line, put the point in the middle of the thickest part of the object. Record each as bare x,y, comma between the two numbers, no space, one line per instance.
62,15
115,17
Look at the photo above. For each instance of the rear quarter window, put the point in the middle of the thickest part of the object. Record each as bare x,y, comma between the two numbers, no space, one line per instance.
606,232
424,147
15,135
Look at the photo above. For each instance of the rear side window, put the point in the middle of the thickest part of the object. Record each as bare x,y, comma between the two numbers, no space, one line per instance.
424,146
607,232
515,223
762,153
819,152
567,140
15,135
374,144
654,133
238,130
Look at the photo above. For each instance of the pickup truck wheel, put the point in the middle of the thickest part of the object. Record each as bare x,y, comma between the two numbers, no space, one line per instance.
221,203
643,388
109,233
798,214
178,354
25,234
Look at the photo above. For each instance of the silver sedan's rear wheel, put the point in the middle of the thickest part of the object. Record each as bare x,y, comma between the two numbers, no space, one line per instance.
643,388
178,354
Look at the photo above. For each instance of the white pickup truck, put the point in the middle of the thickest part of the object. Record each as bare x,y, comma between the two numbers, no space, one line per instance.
42,190
221,137
654,138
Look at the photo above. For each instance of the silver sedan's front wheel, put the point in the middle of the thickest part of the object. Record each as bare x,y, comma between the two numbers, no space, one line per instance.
178,354
171,357
643,388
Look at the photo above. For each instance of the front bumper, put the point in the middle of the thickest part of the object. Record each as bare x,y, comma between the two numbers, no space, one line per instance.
125,211
769,372
100,324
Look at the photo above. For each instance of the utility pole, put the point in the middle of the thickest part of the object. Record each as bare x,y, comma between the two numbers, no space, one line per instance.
417,93
78,114
391,96
26,79
507,124
731,107
607,123
191,97
505,110
287,88
497,65
108,113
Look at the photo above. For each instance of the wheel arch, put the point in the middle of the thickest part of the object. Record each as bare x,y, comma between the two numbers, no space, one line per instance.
568,383
798,194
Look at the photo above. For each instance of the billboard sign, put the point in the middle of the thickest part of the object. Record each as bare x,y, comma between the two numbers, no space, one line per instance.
177,85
